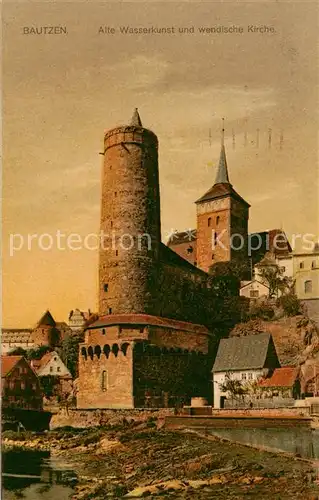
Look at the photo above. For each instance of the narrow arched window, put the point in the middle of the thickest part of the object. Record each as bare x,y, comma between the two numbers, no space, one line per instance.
308,286
217,220
209,221
104,380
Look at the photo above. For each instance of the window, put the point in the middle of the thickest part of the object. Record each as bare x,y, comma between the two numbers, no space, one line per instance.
282,268
308,286
105,287
111,223
58,369
103,331
301,265
141,330
243,376
116,252
213,256
190,249
51,369
217,220
209,221
250,376
104,381
314,265
54,358
110,310
254,294
115,193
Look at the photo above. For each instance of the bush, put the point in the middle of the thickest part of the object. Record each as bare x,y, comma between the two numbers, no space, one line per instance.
290,304
263,311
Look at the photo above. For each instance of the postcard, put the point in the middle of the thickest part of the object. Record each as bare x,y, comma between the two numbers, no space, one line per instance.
160,323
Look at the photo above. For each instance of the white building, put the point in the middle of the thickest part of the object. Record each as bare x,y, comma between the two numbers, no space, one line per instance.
77,320
50,364
254,289
242,358
12,338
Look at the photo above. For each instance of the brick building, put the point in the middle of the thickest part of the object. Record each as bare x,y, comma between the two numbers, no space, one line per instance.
153,340
46,332
20,385
222,219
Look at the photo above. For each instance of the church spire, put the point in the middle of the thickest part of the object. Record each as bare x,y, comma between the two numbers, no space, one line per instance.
222,173
136,119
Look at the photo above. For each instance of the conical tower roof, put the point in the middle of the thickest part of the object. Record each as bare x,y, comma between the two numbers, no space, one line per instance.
47,319
136,119
222,172
222,186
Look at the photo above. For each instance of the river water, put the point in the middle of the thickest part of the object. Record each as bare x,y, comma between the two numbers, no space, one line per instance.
33,475
300,442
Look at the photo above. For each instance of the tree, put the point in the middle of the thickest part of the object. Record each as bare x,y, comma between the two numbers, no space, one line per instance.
17,351
48,384
233,386
272,275
38,352
290,304
70,352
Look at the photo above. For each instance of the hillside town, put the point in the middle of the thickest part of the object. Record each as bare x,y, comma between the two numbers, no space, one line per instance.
192,330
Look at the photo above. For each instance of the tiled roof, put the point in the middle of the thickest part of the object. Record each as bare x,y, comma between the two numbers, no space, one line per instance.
281,377
168,256
220,191
242,353
182,237
47,320
146,319
7,363
283,247
15,335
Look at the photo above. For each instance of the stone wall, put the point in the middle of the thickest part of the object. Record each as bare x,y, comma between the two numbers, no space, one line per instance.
105,376
213,221
130,209
169,377
91,418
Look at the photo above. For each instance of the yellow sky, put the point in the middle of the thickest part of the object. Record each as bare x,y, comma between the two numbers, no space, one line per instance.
62,91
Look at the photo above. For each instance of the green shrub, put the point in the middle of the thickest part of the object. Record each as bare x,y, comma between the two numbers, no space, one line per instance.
290,304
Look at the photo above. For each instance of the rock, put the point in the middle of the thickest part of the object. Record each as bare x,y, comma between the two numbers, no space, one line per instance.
217,480
199,483
141,491
167,486
258,479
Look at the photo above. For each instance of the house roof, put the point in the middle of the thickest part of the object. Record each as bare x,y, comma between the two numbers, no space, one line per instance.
8,363
221,190
281,377
247,283
242,353
169,257
146,319
47,320
182,237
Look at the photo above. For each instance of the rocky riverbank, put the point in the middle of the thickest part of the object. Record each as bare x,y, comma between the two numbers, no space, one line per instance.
137,459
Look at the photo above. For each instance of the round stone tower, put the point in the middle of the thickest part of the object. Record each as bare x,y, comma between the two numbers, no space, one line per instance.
130,221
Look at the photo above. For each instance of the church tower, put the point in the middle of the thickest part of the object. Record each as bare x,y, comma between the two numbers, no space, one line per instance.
222,221
130,220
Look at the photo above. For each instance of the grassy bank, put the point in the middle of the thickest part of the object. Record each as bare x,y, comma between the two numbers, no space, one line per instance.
138,460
